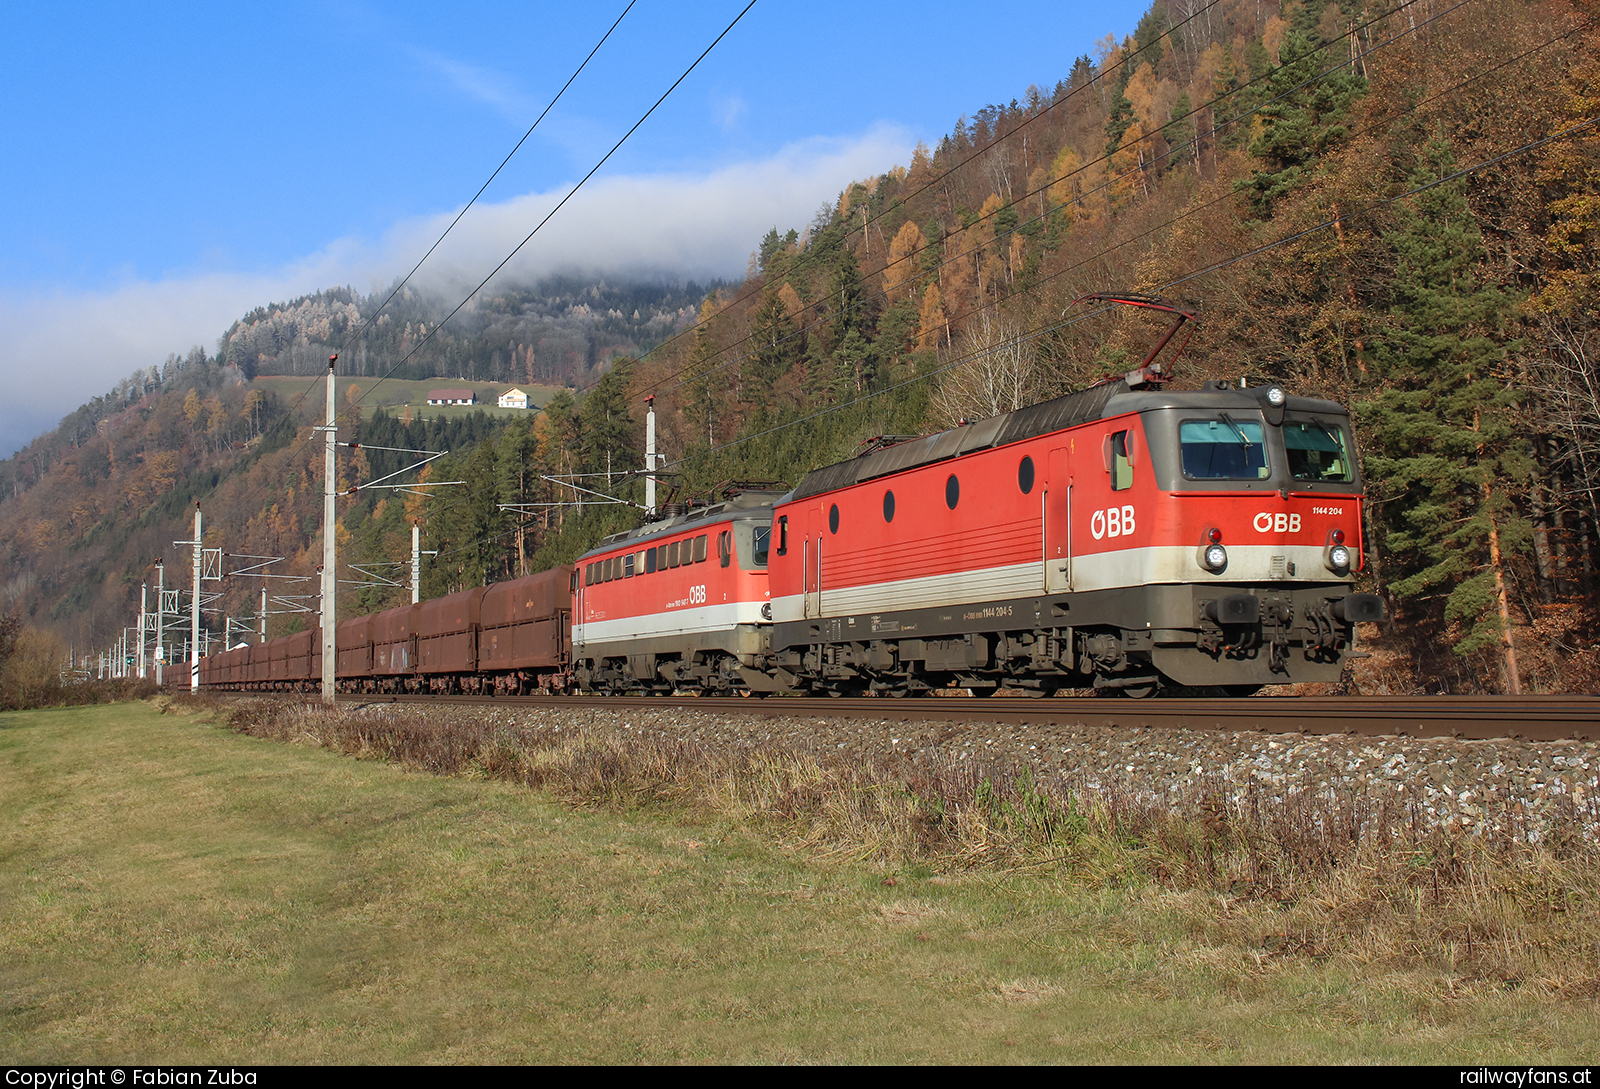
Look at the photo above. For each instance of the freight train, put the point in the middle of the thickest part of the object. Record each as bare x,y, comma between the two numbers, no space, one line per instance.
1127,539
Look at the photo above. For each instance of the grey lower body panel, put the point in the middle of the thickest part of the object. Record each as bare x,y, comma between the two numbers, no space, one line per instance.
668,659
1295,633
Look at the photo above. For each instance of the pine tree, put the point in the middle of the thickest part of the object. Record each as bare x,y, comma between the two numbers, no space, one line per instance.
1448,444
931,325
844,304
610,437
773,347
702,403
1299,125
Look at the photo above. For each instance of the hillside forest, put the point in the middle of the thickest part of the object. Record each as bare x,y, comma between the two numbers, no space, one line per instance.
1390,205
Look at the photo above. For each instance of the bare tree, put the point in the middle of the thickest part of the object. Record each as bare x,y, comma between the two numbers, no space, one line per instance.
1568,380
1001,374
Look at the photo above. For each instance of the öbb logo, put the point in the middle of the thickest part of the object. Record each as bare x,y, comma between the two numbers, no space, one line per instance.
1279,522
1111,522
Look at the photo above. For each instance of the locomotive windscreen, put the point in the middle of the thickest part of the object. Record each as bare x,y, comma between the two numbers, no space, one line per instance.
1223,448
1316,451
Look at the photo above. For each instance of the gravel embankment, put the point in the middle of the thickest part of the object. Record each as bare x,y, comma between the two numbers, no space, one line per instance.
1518,788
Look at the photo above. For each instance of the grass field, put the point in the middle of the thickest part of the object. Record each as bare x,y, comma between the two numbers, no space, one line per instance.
172,892
394,393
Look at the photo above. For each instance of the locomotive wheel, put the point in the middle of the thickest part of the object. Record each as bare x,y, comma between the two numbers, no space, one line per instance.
1140,691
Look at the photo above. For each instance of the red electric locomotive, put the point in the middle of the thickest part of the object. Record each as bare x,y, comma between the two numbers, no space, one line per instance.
680,604
1119,538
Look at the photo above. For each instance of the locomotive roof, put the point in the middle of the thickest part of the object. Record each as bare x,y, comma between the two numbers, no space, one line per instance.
745,504
1097,402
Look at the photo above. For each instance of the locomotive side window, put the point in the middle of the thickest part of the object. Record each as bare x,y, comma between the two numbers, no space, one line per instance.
952,492
672,554
649,561
724,548
588,574
1223,448
1121,465
748,540
888,506
700,549
627,566
1316,451
833,518
1025,475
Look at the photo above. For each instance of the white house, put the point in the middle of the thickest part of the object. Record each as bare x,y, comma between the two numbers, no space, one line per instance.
452,397
513,398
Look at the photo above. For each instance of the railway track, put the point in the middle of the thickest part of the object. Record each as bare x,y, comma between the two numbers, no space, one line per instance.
1535,718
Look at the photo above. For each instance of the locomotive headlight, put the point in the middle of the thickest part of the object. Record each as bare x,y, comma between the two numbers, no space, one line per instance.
1336,554
1276,396
1216,557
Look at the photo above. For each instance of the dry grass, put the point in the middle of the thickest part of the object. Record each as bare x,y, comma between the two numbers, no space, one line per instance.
175,893
1296,877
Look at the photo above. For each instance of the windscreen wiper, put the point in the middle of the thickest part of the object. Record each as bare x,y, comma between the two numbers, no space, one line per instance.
1237,430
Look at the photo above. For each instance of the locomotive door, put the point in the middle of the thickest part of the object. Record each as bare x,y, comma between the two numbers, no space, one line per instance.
1058,523
811,563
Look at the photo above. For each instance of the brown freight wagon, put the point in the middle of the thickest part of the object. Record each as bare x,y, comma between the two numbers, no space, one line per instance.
256,672
353,666
447,641
525,626
278,661
297,663
394,648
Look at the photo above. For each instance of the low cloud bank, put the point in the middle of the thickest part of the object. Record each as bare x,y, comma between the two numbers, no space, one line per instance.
60,349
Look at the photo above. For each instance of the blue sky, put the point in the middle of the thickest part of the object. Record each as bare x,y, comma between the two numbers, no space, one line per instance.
170,166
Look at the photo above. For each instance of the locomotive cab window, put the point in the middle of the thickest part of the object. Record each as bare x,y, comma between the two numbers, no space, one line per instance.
1224,447
1316,450
750,540
724,548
